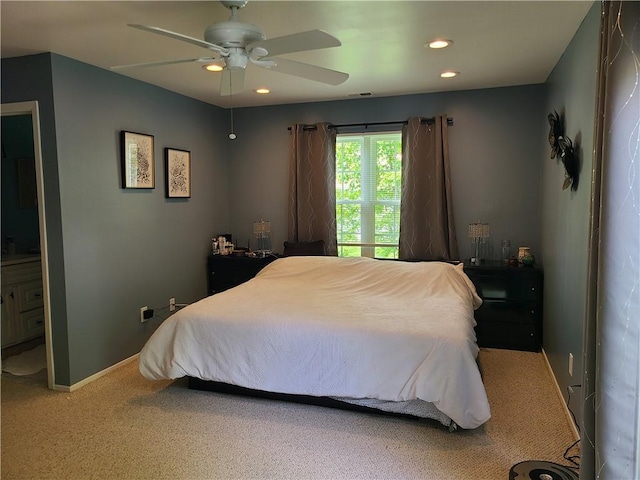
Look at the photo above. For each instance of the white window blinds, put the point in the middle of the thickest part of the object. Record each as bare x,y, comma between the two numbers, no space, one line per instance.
368,181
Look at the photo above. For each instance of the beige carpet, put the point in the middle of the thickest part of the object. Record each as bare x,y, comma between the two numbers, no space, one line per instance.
125,427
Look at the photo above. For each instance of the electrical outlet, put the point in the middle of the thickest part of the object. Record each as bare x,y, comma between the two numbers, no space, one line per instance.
172,304
142,315
571,364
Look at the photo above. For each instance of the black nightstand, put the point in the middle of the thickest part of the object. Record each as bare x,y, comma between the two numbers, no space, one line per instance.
511,313
227,271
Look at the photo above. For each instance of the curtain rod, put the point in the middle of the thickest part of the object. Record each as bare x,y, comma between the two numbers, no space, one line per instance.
366,125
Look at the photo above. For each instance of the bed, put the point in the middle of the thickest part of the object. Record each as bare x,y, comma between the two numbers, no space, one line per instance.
389,335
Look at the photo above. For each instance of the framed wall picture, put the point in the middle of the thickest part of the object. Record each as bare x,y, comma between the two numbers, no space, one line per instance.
138,160
178,173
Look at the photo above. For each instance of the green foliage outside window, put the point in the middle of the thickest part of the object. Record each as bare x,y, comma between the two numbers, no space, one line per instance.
368,182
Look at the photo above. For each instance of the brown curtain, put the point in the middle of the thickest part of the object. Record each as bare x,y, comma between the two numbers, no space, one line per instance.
427,231
312,185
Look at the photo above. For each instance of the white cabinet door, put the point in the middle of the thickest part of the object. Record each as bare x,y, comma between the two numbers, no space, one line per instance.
32,323
22,302
10,321
30,296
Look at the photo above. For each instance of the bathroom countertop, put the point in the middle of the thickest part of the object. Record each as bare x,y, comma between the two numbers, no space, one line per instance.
20,258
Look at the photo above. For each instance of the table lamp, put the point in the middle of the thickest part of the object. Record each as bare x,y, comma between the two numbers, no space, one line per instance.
262,232
478,233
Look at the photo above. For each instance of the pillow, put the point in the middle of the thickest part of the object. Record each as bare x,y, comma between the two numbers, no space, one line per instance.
314,248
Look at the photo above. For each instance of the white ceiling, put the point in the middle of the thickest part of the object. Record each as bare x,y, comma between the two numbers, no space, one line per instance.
495,43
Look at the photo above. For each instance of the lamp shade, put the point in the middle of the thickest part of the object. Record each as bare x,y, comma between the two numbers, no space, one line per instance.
479,230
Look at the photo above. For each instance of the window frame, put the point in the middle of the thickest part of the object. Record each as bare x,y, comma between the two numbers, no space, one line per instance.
368,201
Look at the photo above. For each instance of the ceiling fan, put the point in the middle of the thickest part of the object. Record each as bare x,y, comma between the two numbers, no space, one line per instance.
236,44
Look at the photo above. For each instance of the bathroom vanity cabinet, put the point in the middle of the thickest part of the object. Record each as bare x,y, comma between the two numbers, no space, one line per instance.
22,299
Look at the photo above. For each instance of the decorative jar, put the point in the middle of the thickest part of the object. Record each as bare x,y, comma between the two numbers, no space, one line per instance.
523,252
528,260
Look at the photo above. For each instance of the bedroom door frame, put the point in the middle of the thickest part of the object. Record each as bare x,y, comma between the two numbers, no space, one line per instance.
31,108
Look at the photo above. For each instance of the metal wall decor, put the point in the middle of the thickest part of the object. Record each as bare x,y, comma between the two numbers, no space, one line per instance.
563,149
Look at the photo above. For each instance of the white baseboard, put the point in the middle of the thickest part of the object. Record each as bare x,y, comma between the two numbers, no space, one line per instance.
95,376
576,434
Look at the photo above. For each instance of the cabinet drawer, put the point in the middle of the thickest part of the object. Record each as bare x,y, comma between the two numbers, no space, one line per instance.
32,323
513,336
529,289
224,280
513,286
30,296
228,271
493,310
494,286
22,272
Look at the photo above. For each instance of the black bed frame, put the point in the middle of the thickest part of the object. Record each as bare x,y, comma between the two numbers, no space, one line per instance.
220,387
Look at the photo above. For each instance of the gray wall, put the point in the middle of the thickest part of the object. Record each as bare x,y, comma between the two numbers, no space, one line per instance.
565,214
124,249
496,158
29,79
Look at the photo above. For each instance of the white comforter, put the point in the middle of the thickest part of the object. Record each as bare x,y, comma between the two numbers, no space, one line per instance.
335,327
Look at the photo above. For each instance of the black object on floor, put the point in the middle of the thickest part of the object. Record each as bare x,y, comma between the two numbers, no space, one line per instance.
541,470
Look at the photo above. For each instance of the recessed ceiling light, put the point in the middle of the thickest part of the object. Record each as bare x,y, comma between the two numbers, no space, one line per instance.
449,74
263,90
213,67
439,43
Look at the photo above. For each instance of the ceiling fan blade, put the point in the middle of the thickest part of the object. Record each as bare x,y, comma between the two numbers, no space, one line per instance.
178,36
310,72
296,42
165,62
232,81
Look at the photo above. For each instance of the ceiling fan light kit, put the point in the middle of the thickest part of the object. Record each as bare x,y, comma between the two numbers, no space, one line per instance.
238,44
439,43
213,67
236,59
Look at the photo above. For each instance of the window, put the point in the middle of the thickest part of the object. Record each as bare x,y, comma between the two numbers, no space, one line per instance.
368,179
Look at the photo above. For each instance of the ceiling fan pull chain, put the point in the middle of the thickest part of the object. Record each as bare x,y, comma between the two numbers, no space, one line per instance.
232,136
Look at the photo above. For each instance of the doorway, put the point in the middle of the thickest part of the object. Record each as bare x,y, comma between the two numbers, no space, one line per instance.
26,111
